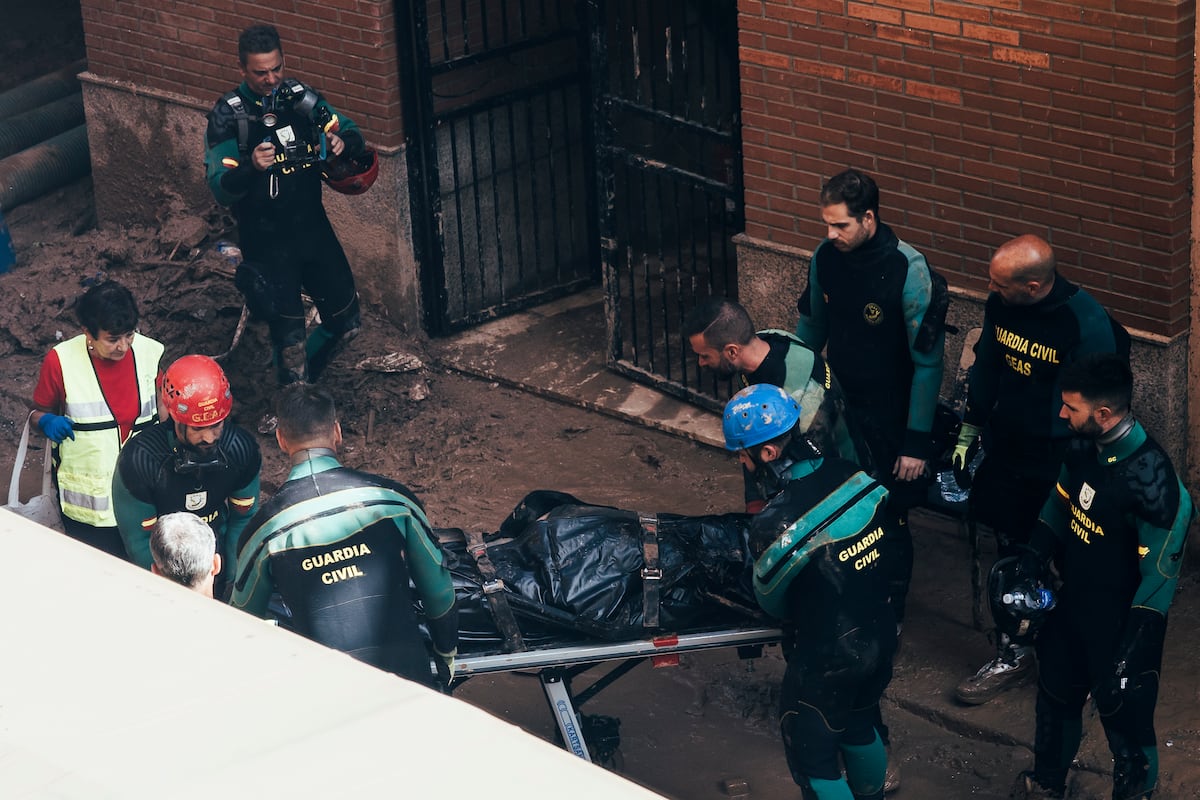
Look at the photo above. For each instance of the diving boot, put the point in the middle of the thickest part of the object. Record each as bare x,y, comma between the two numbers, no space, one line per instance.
1008,669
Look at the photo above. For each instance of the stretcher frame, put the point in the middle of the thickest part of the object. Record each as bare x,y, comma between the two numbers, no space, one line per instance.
556,666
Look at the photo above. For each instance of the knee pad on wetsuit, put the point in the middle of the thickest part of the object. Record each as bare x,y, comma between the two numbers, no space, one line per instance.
810,746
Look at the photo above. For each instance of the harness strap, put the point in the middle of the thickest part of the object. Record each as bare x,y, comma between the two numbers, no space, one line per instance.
494,593
651,570
234,100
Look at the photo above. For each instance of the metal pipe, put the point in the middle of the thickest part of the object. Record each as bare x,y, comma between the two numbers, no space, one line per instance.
44,167
27,129
40,91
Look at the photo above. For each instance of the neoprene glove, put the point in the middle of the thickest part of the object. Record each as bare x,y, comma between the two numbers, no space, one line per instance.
1030,565
964,454
56,428
1139,652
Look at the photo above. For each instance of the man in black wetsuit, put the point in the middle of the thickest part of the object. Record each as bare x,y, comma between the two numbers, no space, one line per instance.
341,547
878,310
1116,524
721,334
1035,323
871,303
196,460
267,144
821,548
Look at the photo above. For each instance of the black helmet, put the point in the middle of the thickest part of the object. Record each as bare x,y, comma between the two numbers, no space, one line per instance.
1019,601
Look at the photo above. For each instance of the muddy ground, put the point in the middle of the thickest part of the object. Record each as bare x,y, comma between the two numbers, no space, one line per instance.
472,449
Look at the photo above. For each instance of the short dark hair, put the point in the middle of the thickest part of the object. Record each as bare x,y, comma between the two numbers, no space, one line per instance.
722,321
107,306
258,39
1100,378
305,411
856,189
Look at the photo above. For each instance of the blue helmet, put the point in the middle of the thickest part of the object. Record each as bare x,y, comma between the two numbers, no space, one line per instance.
758,414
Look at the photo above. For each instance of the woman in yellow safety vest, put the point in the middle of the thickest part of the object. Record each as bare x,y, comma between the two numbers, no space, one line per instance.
95,391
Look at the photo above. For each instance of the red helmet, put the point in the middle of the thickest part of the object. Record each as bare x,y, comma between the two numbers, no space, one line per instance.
196,392
353,175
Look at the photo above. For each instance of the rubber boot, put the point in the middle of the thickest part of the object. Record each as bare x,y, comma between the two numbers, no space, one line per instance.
291,364
1131,775
323,346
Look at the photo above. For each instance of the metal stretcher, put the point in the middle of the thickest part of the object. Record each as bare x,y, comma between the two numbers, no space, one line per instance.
556,666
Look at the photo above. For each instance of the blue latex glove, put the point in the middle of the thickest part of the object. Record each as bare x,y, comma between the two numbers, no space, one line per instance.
56,428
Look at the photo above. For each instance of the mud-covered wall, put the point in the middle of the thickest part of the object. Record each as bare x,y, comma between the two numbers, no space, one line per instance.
147,151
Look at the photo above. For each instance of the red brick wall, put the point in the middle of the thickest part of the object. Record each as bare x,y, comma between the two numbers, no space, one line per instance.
980,121
345,48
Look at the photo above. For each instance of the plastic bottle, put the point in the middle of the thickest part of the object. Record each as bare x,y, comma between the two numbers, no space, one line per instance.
949,489
231,252
1039,600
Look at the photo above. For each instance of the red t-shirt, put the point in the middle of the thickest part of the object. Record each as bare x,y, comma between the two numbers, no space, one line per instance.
118,381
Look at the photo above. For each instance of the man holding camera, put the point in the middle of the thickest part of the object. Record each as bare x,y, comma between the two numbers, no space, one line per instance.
268,145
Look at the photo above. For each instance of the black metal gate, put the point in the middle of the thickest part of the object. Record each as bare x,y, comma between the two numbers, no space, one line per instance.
501,159
668,138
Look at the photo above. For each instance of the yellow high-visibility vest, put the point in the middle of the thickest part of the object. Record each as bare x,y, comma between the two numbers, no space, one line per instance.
86,463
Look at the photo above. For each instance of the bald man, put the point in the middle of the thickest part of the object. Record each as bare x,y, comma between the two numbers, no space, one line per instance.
1035,323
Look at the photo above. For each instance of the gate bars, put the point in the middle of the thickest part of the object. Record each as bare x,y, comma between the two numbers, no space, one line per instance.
668,138
500,165
554,142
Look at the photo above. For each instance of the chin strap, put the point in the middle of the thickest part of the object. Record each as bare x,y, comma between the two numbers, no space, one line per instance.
772,475
188,460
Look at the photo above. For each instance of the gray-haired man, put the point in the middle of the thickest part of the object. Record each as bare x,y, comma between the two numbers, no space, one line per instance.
185,550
